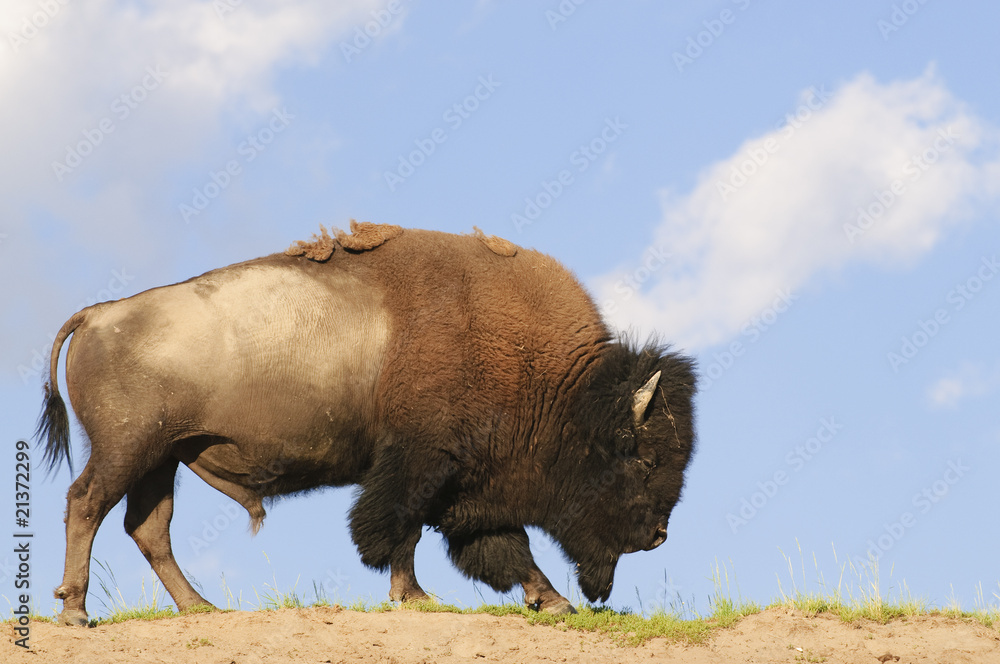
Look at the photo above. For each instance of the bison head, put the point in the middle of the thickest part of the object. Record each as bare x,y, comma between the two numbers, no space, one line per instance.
633,439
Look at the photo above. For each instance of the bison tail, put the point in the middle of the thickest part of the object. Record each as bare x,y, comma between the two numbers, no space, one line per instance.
53,423
53,429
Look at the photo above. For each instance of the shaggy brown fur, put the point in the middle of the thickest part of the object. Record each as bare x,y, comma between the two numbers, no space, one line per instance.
319,248
363,236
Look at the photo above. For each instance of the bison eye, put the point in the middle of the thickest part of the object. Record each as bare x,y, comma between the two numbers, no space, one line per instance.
648,464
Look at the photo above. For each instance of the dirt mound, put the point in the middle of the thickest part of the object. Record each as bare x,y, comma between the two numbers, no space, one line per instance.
336,635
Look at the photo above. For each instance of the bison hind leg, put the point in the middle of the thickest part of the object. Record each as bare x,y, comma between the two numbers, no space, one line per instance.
88,501
150,506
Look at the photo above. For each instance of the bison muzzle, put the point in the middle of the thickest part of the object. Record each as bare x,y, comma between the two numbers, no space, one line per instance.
461,382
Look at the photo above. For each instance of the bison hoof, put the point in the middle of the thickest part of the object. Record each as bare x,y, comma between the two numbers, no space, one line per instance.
417,595
559,607
74,617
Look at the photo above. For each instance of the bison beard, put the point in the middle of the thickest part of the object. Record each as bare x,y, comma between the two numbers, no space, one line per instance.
459,381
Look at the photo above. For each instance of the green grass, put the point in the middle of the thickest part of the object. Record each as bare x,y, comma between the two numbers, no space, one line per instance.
856,596
152,604
273,598
33,614
725,610
624,627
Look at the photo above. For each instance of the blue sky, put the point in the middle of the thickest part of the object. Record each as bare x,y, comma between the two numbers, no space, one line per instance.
803,197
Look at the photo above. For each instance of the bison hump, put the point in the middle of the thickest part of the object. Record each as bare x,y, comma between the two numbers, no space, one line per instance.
363,236
366,235
319,248
497,245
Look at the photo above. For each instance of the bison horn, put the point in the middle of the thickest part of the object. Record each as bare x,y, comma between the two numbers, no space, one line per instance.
643,396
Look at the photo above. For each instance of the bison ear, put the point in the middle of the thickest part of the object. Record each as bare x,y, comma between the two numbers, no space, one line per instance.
640,402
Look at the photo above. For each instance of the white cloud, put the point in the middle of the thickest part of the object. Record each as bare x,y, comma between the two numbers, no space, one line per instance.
970,380
946,392
807,198
66,76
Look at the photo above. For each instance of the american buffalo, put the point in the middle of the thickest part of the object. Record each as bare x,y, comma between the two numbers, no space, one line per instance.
461,381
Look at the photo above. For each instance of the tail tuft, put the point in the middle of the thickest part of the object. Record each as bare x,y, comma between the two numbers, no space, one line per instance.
53,429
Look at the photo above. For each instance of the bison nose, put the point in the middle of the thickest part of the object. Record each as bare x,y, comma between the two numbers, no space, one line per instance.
660,538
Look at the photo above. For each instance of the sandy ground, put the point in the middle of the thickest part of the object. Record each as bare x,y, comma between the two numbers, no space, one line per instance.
335,635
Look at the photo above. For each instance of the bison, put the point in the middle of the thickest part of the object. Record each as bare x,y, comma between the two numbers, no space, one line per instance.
460,381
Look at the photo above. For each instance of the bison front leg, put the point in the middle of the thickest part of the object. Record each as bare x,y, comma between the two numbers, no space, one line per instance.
541,596
502,558
388,517
392,546
403,586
